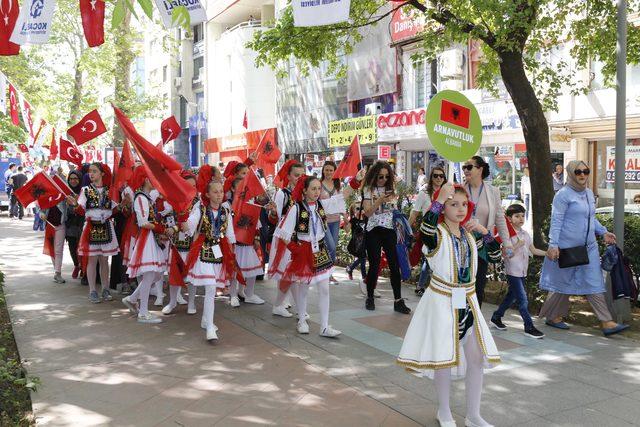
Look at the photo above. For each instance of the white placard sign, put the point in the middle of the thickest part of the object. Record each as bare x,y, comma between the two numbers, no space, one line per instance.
313,13
334,204
34,22
196,11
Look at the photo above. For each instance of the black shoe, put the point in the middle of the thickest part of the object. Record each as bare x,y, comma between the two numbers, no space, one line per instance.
260,278
420,292
349,273
533,333
497,323
400,307
370,304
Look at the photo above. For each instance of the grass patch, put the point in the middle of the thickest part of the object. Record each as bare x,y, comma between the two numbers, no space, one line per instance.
15,383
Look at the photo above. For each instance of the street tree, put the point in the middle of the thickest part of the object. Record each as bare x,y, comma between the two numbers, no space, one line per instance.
517,38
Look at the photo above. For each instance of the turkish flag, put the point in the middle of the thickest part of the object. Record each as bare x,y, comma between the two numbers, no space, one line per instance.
352,161
510,229
27,116
13,104
70,152
245,223
41,188
268,151
62,185
163,171
248,188
9,10
53,149
455,114
169,129
23,148
1,148
89,127
92,14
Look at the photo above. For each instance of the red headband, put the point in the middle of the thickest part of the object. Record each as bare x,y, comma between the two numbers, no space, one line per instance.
230,169
283,174
296,194
137,180
187,174
204,177
470,206
106,170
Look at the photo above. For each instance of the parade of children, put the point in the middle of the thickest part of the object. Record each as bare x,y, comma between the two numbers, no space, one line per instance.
210,246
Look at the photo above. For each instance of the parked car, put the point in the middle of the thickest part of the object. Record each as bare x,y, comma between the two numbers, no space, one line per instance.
628,209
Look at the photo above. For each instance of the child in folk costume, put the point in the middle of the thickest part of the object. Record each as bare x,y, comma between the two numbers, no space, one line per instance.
98,241
148,261
288,176
165,216
448,334
301,257
249,262
211,262
180,249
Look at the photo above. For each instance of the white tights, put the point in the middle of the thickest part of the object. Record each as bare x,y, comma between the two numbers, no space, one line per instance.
473,382
300,293
248,289
208,307
145,281
174,291
284,297
104,272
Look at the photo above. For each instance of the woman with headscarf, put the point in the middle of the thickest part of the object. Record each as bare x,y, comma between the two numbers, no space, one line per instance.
574,224
74,222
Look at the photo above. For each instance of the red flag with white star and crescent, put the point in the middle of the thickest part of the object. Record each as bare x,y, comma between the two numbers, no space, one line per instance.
9,11
92,14
89,127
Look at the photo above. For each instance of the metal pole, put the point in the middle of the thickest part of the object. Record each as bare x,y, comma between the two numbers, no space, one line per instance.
621,137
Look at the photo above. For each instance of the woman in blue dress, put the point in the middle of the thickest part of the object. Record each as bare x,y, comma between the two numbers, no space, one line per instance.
573,221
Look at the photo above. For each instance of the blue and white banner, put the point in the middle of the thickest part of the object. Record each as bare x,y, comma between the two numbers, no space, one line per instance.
34,22
196,11
313,13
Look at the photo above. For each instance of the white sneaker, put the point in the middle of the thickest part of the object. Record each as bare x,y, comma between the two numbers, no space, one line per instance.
57,277
303,327
234,302
203,325
130,305
168,309
281,311
181,299
306,316
376,294
148,318
253,299
329,332
241,292
211,334
159,301
470,423
191,310
363,287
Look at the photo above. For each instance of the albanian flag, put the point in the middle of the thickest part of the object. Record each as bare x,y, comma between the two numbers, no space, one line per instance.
92,13
70,152
40,188
169,129
245,223
455,114
163,171
352,161
248,188
268,151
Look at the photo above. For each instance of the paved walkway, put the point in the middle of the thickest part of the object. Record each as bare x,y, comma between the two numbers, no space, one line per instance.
98,366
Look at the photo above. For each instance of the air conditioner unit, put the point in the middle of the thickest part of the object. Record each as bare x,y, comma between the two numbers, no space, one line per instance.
451,63
177,81
457,85
373,109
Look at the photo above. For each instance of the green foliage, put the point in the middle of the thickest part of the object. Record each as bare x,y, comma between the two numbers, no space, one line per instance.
180,16
9,133
15,383
118,14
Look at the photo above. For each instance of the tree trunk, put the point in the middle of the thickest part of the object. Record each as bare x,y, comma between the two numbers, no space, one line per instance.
74,107
124,59
536,136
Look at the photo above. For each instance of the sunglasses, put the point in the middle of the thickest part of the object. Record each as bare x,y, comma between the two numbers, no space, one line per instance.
469,167
357,209
383,176
438,175
584,172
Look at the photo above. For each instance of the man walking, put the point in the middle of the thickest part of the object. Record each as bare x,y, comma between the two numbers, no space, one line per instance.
7,178
18,179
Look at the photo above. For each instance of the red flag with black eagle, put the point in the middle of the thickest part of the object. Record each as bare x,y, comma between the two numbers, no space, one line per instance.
352,161
248,188
40,188
245,223
169,129
268,150
455,114
163,171
92,14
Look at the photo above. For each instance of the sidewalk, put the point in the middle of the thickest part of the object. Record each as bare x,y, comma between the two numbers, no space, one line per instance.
99,367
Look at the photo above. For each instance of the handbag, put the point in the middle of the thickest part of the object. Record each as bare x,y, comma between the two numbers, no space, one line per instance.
356,245
577,255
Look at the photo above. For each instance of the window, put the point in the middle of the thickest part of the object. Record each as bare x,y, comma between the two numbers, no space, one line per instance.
424,74
197,64
198,33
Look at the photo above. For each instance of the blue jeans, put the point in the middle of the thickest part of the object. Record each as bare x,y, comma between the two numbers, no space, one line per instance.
38,223
425,274
331,238
516,293
362,261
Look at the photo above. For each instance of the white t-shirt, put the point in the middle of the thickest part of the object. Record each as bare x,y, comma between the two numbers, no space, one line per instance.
423,201
383,216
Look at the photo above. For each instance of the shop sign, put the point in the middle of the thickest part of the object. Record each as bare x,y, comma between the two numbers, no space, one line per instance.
453,126
402,125
384,152
504,153
406,25
632,164
342,132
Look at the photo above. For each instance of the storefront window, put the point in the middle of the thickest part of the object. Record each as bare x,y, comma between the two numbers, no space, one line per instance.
604,178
